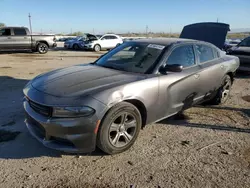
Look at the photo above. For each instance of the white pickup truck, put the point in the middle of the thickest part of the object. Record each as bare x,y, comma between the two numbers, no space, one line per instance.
19,38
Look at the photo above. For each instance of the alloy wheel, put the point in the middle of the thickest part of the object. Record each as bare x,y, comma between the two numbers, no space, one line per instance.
225,90
122,129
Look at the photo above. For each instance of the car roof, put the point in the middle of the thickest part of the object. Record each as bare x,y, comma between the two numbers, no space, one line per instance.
165,41
14,27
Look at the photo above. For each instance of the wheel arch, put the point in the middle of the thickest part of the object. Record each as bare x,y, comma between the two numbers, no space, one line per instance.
42,41
141,107
231,74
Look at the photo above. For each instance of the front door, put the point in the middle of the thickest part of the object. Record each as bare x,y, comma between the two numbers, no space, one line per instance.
179,90
5,39
105,42
20,39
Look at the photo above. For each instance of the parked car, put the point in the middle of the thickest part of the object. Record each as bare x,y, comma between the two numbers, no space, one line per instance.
107,102
78,42
231,43
242,50
107,41
19,38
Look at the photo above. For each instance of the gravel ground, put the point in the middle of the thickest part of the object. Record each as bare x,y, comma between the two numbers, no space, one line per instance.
207,147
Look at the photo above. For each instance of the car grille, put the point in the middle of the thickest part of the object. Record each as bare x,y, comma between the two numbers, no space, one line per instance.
41,109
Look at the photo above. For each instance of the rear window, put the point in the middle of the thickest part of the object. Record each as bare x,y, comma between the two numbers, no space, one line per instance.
205,53
19,31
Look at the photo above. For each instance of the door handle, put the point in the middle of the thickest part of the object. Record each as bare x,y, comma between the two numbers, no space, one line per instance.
9,37
25,37
197,76
222,66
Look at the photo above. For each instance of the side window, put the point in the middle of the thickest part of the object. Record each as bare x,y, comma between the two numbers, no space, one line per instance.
112,37
19,31
205,53
183,55
5,32
105,38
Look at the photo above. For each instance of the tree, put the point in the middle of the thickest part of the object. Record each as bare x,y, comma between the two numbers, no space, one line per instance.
2,24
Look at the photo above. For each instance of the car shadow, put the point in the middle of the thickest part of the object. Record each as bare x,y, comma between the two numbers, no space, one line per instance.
15,52
15,140
182,120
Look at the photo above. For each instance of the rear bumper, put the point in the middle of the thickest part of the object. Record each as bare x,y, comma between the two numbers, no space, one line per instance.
72,135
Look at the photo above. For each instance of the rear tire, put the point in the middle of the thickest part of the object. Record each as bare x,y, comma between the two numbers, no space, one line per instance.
223,93
42,48
97,48
119,128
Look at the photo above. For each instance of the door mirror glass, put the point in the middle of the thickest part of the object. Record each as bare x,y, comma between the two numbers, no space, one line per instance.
171,68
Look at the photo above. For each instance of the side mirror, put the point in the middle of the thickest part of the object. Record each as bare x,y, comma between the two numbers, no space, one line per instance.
171,68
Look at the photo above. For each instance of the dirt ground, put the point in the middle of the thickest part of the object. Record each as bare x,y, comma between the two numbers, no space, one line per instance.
208,147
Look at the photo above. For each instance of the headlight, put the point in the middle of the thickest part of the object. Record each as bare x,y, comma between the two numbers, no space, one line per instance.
72,111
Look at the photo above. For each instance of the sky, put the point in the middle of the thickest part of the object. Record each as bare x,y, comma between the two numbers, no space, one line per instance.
64,16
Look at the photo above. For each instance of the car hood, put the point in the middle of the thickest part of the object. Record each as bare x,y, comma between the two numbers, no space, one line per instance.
211,32
70,41
81,80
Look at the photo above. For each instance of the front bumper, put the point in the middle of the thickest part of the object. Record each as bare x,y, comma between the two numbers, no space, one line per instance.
88,46
73,135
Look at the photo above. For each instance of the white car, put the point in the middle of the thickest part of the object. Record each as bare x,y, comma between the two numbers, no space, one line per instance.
107,41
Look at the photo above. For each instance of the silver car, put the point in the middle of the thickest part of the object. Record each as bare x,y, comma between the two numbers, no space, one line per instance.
107,102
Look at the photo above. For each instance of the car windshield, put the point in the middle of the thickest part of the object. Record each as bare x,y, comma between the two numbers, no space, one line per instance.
245,42
132,57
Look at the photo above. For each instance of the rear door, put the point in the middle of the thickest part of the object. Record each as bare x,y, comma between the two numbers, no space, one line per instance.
5,39
212,69
20,38
179,90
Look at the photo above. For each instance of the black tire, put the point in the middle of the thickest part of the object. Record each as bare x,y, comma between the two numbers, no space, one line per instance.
223,93
42,48
76,47
97,48
107,134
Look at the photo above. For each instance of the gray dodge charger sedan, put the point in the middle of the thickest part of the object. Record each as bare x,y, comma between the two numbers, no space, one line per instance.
107,102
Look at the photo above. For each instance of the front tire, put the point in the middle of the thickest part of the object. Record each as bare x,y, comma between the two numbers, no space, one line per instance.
223,92
76,47
119,128
42,48
97,48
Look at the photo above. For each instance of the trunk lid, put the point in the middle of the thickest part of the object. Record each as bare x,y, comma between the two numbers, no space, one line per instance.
211,32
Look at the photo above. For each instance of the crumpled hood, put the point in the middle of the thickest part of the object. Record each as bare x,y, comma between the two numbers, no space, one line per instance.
81,80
